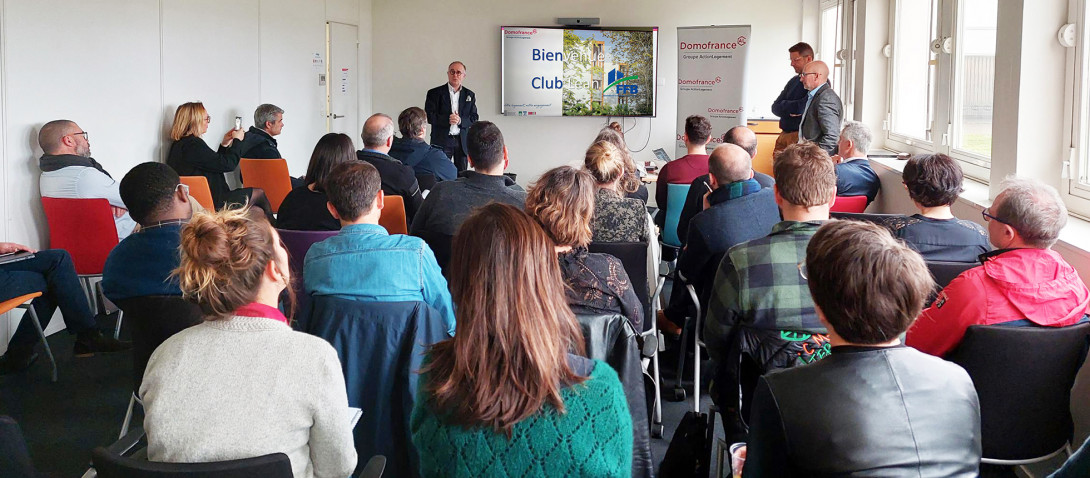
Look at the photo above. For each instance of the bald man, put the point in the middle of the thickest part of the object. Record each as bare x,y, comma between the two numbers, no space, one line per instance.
397,178
736,209
821,118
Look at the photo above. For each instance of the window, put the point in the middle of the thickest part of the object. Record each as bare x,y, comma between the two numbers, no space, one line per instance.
942,73
1076,136
829,41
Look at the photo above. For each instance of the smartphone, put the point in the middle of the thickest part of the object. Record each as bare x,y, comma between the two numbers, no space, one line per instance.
238,122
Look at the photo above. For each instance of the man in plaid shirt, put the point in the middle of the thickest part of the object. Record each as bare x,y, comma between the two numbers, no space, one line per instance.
760,305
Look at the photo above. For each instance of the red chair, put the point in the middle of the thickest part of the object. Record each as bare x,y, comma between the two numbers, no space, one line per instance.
85,228
853,204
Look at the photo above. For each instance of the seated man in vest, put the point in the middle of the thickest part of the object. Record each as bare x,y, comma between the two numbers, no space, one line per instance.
416,153
854,175
736,210
450,203
69,171
363,261
1022,282
873,407
142,264
759,306
397,179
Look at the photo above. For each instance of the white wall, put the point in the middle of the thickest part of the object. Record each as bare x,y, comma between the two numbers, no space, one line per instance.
119,68
409,61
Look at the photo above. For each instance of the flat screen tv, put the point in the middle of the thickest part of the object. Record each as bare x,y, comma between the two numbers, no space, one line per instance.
558,71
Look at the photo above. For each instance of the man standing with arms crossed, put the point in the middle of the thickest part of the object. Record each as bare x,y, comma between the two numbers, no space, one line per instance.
792,100
451,110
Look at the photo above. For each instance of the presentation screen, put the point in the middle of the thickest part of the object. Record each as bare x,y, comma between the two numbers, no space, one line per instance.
578,71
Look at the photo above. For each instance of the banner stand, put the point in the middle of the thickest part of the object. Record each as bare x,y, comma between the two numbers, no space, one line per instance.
711,72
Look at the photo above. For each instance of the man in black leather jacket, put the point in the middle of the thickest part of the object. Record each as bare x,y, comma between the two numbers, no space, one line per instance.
873,407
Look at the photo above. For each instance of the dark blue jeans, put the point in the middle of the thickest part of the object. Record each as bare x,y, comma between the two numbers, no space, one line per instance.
52,273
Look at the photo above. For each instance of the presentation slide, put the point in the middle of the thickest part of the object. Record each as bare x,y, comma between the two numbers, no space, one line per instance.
579,72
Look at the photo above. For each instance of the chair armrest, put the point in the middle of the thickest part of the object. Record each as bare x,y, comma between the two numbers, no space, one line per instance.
374,468
126,443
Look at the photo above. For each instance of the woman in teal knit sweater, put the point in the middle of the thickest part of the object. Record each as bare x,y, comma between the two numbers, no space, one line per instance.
504,397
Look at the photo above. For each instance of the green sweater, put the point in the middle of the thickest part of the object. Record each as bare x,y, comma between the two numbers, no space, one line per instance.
593,438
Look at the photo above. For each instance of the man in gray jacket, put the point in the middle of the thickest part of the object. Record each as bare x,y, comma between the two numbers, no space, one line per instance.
68,171
821,118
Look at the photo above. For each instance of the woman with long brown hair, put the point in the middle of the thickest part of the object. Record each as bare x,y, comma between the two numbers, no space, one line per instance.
505,393
630,183
562,201
243,384
304,208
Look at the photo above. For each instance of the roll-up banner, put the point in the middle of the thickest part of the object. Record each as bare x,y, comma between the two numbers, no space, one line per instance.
711,78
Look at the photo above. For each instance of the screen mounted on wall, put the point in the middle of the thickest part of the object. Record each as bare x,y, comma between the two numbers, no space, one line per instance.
556,71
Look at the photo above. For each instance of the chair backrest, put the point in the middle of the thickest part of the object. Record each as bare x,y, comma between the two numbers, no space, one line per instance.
83,227
633,255
381,346
14,456
675,200
887,221
298,243
944,272
151,320
766,143
271,175
427,181
855,204
110,465
393,215
1023,378
198,188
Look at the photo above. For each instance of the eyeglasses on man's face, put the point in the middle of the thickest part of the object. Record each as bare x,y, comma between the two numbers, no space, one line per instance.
456,73
84,133
988,217
803,75
802,270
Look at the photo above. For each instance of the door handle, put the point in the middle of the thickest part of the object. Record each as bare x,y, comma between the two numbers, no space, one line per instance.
336,116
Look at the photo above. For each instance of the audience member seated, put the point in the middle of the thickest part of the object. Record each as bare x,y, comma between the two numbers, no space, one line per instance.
397,179
69,171
304,208
243,384
736,210
562,201
52,273
630,182
759,305
616,218
258,142
415,152
190,156
684,170
448,205
143,263
933,182
363,261
854,176
874,406
740,136
540,410
1021,283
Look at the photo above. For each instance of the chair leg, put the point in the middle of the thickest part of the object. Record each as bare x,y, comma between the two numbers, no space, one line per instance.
128,417
41,334
117,327
679,388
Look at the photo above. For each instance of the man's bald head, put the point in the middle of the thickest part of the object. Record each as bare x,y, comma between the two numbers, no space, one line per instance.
378,131
729,163
51,136
744,138
815,74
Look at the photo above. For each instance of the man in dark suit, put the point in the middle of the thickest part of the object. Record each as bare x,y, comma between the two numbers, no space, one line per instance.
397,179
450,125
821,118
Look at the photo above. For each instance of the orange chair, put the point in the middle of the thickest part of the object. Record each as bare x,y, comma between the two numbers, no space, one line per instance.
855,204
766,143
199,190
271,175
764,126
393,215
23,302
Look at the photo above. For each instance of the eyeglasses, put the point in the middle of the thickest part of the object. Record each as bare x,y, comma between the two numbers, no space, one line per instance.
207,119
84,133
989,217
802,270
803,75
456,73
185,188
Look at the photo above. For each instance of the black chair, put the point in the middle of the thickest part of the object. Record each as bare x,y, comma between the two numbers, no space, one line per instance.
153,319
944,272
887,221
427,182
1023,378
112,465
633,255
612,339
14,457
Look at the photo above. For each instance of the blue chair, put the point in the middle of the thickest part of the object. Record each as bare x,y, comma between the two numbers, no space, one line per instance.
675,201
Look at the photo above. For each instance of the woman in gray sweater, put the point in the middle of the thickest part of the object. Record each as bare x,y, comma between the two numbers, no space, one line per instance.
243,384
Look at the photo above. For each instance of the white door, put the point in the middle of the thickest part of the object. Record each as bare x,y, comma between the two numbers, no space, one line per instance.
342,92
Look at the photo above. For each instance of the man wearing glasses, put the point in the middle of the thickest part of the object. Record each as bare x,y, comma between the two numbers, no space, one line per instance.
821,116
451,110
789,105
1021,283
68,171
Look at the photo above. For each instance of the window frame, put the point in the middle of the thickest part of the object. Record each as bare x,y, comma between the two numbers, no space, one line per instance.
1075,175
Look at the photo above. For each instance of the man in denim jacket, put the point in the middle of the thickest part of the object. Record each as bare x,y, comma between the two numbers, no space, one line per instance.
363,261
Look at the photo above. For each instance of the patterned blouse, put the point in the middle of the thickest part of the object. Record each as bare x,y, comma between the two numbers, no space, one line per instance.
598,284
618,219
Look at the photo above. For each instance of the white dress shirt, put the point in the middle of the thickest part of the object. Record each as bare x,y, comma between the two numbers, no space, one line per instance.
454,95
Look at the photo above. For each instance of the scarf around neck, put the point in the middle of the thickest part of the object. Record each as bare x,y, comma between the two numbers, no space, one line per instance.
51,162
